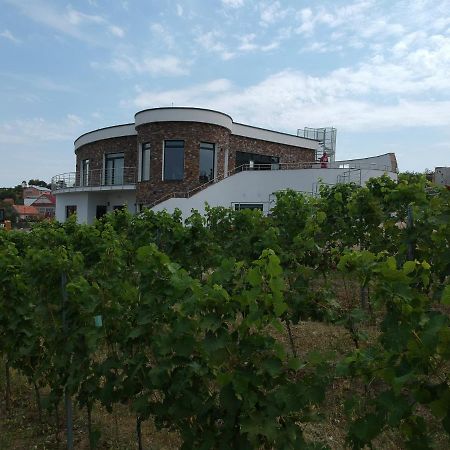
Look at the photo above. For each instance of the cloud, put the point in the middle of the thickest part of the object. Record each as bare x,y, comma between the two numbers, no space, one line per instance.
179,9
116,31
271,12
248,44
36,82
163,34
40,130
182,97
211,41
233,3
8,35
155,66
68,21
376,95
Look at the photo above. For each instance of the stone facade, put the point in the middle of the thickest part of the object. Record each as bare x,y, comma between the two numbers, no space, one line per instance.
96,151
192,133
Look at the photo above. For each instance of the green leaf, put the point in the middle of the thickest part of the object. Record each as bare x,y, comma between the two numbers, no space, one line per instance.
295,364
392,263
409,267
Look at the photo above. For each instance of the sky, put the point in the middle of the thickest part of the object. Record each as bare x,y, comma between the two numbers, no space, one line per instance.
378,71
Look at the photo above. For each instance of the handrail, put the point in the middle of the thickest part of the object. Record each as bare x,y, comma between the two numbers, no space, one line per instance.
94,178
273,166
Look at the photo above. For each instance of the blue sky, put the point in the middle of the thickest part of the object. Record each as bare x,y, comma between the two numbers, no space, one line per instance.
378,71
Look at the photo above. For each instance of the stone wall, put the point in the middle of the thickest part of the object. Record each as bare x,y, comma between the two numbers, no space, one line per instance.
192,133
95,152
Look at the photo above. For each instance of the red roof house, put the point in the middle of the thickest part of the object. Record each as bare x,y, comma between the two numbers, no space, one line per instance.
26,212
45,204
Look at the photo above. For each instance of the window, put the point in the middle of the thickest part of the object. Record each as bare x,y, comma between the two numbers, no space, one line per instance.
256,161
173,160
70,209
239,206
85,172
145,162
100,211
206,162
114,168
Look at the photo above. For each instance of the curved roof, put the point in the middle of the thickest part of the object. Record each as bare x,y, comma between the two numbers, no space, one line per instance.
188,114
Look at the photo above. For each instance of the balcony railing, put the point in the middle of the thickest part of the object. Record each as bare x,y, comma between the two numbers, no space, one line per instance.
347,166
95,178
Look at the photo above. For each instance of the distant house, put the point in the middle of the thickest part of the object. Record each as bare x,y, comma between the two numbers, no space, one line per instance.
46,205
32,193
442,176
26,212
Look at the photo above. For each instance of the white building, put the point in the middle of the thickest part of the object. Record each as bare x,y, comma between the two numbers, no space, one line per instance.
183,157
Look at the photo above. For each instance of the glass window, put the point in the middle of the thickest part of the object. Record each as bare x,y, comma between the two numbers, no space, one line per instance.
70,209
145,162
206,162
239,206
85,172
114,168
100,211
256,161
173,160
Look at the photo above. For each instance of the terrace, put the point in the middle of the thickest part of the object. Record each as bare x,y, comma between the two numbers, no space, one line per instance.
123,178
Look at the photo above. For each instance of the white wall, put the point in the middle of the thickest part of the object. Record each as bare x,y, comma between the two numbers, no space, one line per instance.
79,199
105,133
273,136
87,202
381,162
259,187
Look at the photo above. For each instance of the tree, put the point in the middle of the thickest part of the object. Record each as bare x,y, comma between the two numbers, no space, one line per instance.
40,183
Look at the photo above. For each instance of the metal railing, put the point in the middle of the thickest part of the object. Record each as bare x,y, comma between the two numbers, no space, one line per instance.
274,166
95,178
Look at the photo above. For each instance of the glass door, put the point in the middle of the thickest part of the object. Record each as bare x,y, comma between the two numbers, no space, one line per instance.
114,165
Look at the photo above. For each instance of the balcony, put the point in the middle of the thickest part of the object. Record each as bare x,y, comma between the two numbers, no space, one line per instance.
95,180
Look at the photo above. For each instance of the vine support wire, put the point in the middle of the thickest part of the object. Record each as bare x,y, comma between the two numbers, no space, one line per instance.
67,398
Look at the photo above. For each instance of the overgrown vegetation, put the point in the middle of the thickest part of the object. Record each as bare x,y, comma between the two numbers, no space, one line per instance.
180,322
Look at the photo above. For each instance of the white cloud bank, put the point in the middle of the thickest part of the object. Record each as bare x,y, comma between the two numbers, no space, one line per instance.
127,65
39,129
68,20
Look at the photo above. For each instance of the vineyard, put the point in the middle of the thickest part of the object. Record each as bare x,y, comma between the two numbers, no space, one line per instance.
200,326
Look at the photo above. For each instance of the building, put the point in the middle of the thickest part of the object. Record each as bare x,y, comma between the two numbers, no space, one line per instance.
183,157
32,193
441,176
25,212
46,205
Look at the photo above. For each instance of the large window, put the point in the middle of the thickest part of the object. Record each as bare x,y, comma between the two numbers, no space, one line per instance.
145,162
70,209
240,206
173,160
100,211
257,161
206,162
85,172
114,168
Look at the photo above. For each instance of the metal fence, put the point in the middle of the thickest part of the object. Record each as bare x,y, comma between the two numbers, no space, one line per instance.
95,178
